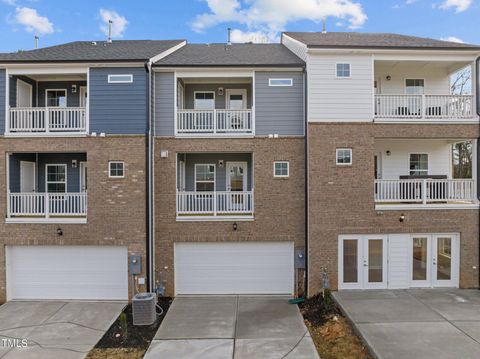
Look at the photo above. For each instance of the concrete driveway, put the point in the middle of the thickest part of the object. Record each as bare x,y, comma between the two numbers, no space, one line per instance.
226,327
63,330
417,323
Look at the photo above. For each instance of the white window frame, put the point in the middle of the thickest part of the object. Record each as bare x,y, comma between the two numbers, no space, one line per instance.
46,176
271,84
349,70
419,153
214,176
195,95
275,172
46,97
110,169
111,79
337,150
405,86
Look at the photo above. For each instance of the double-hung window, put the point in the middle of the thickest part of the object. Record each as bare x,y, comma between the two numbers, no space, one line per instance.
414,86
343,156
281,169
418,164
204,100
204,177
56,181
343,70
56,98
116,169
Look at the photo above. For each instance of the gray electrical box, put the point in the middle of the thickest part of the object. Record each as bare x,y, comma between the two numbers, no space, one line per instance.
135,265
299,259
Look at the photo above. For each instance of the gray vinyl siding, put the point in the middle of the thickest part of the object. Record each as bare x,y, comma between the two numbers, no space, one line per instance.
220,103
279,109
3,96
164,104
13,89
118,108
73,174
220,173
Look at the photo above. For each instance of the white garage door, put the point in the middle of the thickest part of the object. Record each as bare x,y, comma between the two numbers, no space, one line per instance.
67,272
234,268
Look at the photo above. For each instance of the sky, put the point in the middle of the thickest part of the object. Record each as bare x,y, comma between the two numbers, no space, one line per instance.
206,21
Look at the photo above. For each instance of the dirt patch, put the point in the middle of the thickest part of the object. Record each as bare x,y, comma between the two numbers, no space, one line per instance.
330,330
125,340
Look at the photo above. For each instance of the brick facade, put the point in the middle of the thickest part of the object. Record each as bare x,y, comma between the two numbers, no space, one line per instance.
341,198
116,207
279,203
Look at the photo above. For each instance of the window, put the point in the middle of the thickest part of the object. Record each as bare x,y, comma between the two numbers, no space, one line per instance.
204,177
414,86
56,178
344,156
120,79
418,164
281,169
204,100
116,169
280,82
56,98
343,70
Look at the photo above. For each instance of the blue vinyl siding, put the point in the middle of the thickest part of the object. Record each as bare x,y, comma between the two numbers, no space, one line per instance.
279,109
118,108
3,97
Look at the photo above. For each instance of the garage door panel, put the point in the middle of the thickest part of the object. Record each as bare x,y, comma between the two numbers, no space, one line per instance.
67,272
234,268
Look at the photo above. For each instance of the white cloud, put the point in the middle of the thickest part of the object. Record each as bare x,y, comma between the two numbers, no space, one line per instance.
10,2
32,21
458,5
271,16
452,39
252,36
119,22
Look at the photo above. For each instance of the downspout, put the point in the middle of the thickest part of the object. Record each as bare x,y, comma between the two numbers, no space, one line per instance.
305,99
477,84
149,181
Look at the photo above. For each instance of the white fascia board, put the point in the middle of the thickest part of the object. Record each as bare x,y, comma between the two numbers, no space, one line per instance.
200,71
44,70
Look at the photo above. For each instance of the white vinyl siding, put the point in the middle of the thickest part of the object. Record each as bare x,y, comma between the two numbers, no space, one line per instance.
398,261
330,99
398,163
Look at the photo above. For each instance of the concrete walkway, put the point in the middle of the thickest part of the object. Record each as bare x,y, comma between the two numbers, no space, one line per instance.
417,323
54,330
229,327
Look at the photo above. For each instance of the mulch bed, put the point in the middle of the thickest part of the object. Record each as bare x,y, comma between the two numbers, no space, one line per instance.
138,337
330,330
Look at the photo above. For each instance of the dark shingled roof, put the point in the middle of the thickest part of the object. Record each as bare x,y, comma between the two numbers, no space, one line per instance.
374,40
83,51
231,55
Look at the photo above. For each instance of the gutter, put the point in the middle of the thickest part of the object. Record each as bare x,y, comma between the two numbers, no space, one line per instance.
305,110
477,84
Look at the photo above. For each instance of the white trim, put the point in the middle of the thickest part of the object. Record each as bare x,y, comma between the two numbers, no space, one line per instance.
31,92
34,176
45,69
253,105
207,71
83,175
80,99
87,109
195,176
290,80
44,134
194,99
167,52
111,81
109,169
46,97
431,206
405,86
418,153
47,220
343,149
215,218
46,176
349,70
7,101
475,120
244,164
281,176
242,92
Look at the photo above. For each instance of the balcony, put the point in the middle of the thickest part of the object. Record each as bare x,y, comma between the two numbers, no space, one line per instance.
214,122
214,186
424,107
46,188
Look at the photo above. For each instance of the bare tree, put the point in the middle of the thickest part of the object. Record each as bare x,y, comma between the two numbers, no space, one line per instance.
461,83
462,159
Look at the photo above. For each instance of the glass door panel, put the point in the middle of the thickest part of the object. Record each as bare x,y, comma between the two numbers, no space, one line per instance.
374,262
350,261
421,260
445,261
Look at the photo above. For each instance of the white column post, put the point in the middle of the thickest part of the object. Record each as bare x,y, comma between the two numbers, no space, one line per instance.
47,202
424,106
214,203
424,191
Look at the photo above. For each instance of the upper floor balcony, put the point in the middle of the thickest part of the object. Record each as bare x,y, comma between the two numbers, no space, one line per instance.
214,107
46,187
424,91
423,174
47,105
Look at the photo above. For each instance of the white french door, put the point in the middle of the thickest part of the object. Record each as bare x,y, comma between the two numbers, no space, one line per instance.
363,262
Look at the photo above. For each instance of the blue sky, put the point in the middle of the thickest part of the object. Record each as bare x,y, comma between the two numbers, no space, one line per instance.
59,21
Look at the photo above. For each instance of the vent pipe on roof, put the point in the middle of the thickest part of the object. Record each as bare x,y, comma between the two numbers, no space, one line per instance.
229,31
110,22
36,41
324,25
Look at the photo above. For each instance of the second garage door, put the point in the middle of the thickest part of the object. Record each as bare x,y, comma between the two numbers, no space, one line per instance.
234,268
67,272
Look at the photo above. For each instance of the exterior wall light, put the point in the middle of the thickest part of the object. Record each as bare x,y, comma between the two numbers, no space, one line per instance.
402,218
235,226
59,231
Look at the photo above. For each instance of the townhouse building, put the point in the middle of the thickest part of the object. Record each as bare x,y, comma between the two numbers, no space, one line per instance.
392,161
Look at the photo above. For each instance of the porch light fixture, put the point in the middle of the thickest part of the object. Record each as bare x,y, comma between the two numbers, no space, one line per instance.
74,163
235,226
388,153
388,77
402,218
220,163
74,88
59,231
220,91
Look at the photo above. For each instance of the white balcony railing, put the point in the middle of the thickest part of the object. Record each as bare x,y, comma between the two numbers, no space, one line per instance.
425,190
429,107
215,203
47,204
47,119
214,121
